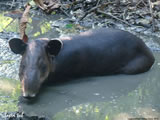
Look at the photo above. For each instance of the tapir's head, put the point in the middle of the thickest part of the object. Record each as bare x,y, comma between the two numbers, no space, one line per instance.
36,63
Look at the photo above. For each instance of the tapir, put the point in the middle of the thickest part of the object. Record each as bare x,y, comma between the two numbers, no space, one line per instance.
97,52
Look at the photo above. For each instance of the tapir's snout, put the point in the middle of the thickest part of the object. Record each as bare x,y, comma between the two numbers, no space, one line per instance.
30,86
29,93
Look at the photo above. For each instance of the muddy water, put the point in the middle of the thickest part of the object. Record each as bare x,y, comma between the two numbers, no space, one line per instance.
120,94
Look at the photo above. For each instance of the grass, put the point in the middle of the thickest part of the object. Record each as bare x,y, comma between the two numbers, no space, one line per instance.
9,93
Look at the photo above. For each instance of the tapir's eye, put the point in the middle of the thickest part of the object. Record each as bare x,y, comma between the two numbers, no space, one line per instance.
23,66
42,65
43,68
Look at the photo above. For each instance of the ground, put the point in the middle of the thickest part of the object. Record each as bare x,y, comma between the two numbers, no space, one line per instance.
74,17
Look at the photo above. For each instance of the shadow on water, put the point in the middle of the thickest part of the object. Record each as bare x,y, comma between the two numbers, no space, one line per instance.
108,96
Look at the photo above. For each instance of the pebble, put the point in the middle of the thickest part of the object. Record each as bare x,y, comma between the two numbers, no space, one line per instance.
9,62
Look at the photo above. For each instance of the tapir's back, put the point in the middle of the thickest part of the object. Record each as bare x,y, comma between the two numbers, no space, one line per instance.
99,52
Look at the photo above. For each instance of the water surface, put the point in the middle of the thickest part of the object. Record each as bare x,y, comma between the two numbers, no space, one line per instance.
102,97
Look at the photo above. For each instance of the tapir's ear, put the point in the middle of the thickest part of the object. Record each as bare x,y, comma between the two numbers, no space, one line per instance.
54,46
17,45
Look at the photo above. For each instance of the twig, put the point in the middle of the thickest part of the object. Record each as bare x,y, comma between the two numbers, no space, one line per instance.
138,3
144,3
94,8
61,8
91,10
13,2
99,11
98,1
152,16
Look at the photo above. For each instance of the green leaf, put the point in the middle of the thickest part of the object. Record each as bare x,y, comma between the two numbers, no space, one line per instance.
69,26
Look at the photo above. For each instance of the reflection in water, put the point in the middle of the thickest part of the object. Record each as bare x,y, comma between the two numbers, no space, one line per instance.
101,98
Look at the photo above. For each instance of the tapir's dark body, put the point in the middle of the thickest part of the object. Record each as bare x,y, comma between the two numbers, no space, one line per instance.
93,53
103,52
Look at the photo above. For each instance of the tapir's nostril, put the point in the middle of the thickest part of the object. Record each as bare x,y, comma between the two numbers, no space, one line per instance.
29,96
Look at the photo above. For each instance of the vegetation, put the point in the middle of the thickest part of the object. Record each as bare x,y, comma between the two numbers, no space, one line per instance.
9,93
